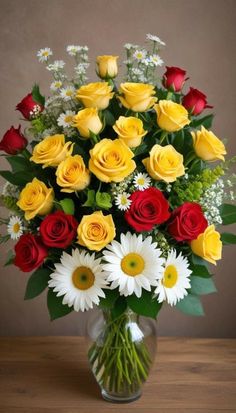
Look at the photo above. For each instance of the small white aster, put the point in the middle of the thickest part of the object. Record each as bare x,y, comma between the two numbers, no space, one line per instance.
129,46
56,85
56,66
139,54
122,201
156,60
67,93
142,181
66,119
44,54
155,39
73,50
15,227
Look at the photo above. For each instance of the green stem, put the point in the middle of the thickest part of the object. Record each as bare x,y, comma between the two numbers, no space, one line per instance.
163,136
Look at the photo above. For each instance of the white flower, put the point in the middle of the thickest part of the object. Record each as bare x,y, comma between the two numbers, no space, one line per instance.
122,201
67,93
129,46
155,60
44,54
56,85
65,119
133,264
56,66
173,285
15,227
73,50
142,181
155,39
80,279
139,54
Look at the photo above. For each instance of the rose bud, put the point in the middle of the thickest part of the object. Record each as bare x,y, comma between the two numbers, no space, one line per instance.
29,108
13,141
195,101
173,78
107,66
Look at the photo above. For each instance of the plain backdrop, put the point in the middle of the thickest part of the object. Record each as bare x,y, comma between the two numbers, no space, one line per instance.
200,37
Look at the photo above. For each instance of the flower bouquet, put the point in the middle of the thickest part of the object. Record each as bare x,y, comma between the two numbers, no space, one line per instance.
115,196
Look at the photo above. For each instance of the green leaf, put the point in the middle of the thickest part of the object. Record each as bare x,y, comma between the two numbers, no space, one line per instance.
202,286
199,261
110,299
38,98
55,307
228,214
145,305
10,258
228,238
191,305
206,121
109,118
16,178
200,271
90,199
37,283
103,200
119,307
18,163
68,206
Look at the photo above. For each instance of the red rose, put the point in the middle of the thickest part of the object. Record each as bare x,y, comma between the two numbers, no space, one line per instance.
195,101
28,107
148,208
187,222
30,252
58,229
13,141
173,78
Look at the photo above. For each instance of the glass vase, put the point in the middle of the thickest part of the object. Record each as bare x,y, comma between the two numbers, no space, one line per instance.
121,353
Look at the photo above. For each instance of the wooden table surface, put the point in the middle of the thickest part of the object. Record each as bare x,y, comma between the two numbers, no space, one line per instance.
51,375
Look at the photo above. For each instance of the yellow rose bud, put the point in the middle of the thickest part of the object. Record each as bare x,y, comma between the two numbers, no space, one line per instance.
95,95
164,163
137,96
95,231
51,151
208,245
111,160
72,174
87,120
107,66
207,146
36,199
171,116
130,130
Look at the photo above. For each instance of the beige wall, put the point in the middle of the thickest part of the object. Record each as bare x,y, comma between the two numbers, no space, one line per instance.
201,38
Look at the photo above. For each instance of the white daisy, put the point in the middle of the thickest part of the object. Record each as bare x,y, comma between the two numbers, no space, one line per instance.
44,54
175,281
56,85
56,66
15,227
66,119
156,60
67,93
129,46
155,39
133,264
142,181
73,50
122,201
80,279
139,54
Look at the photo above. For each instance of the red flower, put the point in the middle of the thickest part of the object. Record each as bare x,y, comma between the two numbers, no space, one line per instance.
30,252
187,222
148,208
28,106
13,141
173,78
58,229
195,101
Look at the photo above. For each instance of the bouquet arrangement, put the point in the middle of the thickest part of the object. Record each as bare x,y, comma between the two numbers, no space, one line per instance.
115,194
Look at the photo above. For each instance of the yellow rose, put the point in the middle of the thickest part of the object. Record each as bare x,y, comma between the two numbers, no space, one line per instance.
171,116
72,174
208,245
137,96
51,151
207,146
36,199
107,66
111,160
130,130
164,163
87,120
95,95
95,231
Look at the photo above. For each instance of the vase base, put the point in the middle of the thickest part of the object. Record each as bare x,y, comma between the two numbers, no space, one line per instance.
119,399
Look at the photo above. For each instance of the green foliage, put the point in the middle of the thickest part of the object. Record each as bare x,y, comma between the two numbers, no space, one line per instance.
10,258
109,301
228,238
205,121
10,203
191,305
202,286
68,206
90,199
146,305
16,178
37,283
119,307
19,163
55,307
200,271
103,200
228,214
37,95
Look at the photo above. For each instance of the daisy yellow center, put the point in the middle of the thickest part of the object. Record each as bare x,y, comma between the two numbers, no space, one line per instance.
83,278
45,53
170,276
139,55
132,264
16,227
141,181
123,200
68,118
69,93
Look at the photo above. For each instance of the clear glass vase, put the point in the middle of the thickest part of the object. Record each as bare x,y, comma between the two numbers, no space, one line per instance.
121,353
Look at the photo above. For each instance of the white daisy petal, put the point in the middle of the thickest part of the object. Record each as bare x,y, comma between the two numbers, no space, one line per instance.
15,227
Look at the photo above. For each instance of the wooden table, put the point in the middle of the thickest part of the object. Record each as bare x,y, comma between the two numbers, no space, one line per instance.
51,375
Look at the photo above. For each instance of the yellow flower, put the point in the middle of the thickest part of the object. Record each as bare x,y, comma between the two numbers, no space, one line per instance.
137,96
171,116
207,146
208,245
107,66
164,163
95,95
51,151
111,160
72,174
87,120
36,199
130,130
95,231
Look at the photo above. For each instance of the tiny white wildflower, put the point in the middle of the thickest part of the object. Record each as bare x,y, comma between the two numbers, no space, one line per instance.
67,93
155,39
15,227
56,66
65,119
129,46
140,54
72,50
156,60
44,54
56,85
142,181
122,201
